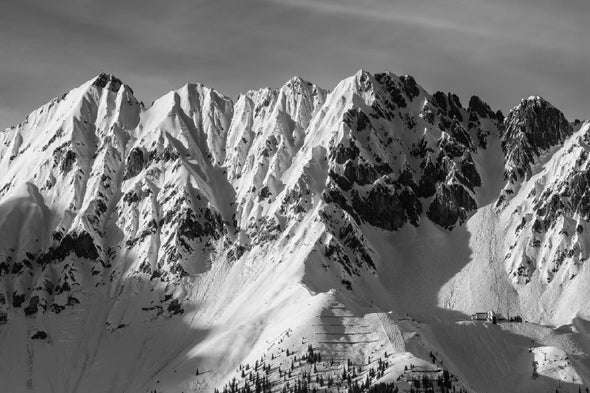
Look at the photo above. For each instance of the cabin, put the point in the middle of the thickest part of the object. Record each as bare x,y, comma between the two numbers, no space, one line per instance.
479,316
490,316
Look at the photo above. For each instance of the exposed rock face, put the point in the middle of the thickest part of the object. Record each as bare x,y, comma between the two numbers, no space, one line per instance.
39,335
394,153
135,163
549,239
399,158
108,81
82,245
529,129
478,110
450,205
163,218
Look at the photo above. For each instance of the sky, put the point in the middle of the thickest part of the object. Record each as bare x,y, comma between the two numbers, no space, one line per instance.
500,50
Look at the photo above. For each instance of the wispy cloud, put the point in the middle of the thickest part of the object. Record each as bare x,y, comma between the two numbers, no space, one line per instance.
499,49
530,22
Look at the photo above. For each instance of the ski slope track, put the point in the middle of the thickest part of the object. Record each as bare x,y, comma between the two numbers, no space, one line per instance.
297,238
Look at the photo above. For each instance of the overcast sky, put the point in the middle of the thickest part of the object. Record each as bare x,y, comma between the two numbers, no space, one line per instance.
501,50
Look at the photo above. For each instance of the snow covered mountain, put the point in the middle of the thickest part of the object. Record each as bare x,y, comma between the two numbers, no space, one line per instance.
294,239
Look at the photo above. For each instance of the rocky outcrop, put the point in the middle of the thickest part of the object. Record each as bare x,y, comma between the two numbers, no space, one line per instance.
81,244
451,205
108,80
529,129
399,168
135,163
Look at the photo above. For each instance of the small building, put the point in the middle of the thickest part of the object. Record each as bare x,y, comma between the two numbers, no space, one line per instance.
479,316
495,317
490,316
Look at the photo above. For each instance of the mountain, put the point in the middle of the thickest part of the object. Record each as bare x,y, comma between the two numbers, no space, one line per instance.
294,239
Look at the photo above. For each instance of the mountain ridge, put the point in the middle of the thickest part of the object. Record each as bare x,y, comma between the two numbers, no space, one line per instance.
227,222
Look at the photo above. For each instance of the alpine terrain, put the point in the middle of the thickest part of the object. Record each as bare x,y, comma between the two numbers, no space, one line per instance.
294,240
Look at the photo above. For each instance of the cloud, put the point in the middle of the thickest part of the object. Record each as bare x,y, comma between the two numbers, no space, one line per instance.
528,22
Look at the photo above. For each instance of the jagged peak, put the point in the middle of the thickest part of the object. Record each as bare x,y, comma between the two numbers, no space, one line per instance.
194,85
539,105
253,93
174,98
482,109
359,82
533,101
362,73
294,83
200,87
383,84
110,81
536,107
363,78
100,81
298,84
530,128
203,90
297,81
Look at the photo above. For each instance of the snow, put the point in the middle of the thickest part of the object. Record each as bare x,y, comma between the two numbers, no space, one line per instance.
258,281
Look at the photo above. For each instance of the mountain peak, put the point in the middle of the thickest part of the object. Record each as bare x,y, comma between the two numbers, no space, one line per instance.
110,81
534,101
296,79
535,106
297,83
288,223
530,128
362,73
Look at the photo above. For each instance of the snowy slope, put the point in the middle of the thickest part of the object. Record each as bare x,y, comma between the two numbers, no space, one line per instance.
202,243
